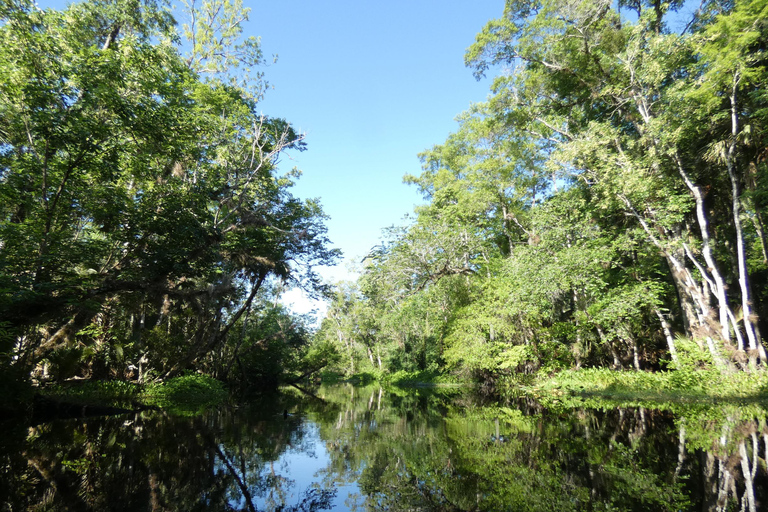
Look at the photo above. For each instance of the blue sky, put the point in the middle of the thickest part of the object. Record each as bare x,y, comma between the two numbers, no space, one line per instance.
371,84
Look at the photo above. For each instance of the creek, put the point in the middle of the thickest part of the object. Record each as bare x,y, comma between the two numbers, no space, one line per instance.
368,448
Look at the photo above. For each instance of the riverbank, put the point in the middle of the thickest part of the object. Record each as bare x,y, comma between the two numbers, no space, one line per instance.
698,383
400,378
187,395
599,383
191,394
601,388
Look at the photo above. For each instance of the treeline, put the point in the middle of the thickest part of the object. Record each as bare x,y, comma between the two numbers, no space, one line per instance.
144,228
605,207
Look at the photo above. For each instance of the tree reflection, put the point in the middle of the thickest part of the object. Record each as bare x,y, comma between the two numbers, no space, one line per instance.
423,451
394,450
151,461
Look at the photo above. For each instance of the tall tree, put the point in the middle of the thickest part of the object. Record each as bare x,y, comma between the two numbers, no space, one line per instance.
607,94
134,191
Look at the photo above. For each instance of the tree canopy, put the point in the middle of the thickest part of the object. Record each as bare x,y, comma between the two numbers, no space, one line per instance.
141,207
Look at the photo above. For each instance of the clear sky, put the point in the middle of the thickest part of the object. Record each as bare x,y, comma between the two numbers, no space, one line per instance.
371,84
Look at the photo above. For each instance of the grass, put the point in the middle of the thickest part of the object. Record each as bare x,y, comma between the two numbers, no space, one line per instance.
647,388
102,393
188,394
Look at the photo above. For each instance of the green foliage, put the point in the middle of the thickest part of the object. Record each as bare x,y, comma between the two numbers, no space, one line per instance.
107,393
422,378
188,393
362,379
652,387
331,377
65,362
214,29
271,346
140,207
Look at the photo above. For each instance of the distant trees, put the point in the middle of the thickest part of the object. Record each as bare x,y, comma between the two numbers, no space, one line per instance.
607,197
141,212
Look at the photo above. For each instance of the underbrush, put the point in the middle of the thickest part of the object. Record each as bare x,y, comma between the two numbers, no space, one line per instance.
693,376
420,378
399,378
110,393
186,394
684,384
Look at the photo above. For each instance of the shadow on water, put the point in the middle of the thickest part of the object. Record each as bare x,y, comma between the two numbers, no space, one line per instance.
367,448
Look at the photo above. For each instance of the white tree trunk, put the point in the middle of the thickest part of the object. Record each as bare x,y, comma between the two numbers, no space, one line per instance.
749,318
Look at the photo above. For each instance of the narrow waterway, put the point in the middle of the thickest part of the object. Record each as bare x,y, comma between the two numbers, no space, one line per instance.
347,448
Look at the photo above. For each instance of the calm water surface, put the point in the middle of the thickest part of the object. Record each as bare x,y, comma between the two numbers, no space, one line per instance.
364,449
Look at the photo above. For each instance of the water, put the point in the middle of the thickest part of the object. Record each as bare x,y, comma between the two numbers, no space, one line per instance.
365,449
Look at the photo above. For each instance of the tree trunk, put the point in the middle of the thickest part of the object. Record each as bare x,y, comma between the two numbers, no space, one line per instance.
712,273
668,335
746,472
693,300
680,449
616,360
64,335
635,355
688,307
749,319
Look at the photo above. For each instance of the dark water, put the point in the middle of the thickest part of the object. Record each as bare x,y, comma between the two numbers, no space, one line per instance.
370,449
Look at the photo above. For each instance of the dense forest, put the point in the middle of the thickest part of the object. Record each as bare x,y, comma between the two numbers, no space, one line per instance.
144,227
605,207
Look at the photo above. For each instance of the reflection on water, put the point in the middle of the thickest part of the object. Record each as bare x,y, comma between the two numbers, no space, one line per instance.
347,448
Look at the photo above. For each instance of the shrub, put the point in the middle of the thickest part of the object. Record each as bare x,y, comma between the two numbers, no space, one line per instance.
187,393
